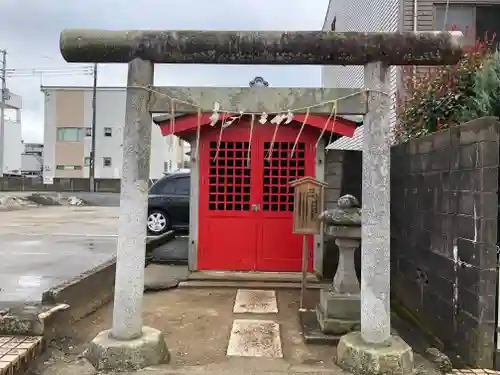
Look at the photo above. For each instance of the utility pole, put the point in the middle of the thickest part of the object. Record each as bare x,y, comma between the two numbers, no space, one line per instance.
93,135
4,94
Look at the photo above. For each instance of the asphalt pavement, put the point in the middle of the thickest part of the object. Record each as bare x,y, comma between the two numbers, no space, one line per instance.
46,246
32,264
173,252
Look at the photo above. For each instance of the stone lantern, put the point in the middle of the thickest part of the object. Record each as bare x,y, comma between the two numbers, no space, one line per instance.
339,308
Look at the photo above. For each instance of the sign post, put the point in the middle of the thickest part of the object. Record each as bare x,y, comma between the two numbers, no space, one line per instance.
308,204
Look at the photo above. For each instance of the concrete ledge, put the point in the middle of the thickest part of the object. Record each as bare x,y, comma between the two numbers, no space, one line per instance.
84,293
29,320
92,289
152,242
106,353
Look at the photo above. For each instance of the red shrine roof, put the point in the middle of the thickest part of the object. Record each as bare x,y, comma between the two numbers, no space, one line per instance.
187,123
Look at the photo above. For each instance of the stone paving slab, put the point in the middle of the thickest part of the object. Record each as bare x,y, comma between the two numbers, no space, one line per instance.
255,338
255,302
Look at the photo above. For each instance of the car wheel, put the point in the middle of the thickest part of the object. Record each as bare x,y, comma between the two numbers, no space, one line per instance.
158,222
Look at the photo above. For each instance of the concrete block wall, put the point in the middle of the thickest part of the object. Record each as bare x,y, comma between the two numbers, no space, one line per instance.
444,224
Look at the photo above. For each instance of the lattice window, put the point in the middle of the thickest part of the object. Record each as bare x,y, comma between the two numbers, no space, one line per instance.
229,177
279,170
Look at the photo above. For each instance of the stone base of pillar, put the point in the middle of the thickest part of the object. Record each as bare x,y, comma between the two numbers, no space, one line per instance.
338,313
106,353
360,358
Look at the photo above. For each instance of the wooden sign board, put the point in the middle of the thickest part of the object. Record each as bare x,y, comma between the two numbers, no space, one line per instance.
308,205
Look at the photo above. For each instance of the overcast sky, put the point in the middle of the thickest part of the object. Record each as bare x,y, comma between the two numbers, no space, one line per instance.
29,31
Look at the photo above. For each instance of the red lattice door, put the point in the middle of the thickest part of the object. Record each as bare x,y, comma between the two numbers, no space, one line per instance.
279,248
228,226
246,204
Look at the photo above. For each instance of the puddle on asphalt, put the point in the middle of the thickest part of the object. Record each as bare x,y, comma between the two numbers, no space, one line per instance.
30,243
30,281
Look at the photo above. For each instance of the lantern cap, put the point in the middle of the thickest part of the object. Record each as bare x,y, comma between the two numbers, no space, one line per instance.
307,179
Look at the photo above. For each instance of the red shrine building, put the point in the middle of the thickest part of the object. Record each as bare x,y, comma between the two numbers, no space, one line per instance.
241,203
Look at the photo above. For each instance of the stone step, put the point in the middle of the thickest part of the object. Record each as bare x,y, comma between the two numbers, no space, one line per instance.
280,277
242,284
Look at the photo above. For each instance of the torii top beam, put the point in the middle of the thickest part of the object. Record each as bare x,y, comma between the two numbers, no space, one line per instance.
260,47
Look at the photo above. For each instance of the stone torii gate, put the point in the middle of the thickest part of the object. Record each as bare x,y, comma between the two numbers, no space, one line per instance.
130,345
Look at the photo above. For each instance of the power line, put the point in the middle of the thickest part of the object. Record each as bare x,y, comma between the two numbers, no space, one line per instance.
41,76
27,72
49,74
72,67
35,72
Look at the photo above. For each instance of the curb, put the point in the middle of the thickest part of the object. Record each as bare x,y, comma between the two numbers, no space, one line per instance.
85,293
152,242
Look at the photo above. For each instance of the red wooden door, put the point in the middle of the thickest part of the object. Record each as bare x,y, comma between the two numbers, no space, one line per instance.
246,205
279,249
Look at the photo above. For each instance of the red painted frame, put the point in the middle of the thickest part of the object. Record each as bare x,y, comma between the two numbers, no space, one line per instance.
245,240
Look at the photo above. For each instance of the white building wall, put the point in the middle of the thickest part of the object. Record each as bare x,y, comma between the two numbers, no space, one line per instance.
110,113
157,152
12,141
359,15
175,153
13,147
49,138
31,163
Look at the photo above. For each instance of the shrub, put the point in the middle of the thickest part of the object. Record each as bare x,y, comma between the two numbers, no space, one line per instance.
486,98
449,95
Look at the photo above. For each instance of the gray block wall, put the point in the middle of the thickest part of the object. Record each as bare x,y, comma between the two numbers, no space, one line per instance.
444,224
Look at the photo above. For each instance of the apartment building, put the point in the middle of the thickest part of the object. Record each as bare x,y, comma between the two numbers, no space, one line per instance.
68,134
473,18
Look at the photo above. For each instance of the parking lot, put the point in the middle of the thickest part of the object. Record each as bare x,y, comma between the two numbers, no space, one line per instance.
46,246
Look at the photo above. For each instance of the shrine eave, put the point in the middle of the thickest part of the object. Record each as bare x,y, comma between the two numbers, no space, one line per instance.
186,124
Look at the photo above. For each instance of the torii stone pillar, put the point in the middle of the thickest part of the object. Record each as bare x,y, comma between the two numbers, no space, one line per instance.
373,351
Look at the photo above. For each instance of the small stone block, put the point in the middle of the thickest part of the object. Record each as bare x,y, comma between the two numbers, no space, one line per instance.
340,306
360,358
334,326
106,353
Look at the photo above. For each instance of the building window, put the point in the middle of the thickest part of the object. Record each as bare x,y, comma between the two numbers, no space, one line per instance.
66,167
87,162
70,134
108,132
475,22
88,132
106,162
